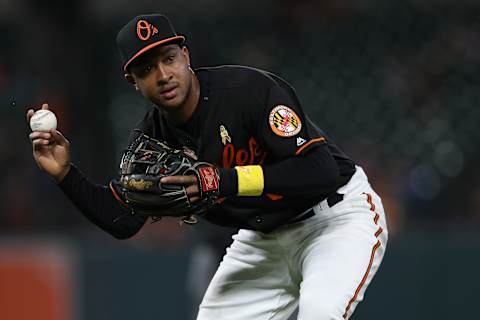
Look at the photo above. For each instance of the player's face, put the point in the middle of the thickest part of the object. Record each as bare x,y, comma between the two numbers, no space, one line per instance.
163,75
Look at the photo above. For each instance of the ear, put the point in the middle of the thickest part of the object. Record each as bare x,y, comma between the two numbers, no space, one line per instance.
186,54
131,80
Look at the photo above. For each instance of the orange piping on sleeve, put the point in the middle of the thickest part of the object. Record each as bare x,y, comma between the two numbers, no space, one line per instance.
309,143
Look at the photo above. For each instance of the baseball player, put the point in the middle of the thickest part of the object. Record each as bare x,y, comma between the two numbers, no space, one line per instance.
312,231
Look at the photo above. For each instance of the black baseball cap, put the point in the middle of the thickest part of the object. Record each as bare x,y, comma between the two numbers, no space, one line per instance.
143,33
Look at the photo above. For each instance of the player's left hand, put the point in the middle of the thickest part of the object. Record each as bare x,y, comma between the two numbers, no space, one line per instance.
160,181
190,183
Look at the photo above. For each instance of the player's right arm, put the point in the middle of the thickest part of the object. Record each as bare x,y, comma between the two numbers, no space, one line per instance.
51,151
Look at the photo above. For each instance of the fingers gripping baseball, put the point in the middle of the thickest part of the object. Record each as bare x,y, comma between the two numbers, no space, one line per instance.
51,150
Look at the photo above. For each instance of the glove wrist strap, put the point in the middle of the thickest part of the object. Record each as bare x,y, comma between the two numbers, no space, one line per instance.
208,176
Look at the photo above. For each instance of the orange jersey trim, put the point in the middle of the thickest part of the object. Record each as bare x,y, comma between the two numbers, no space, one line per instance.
112,189
273,196
307,144
150,46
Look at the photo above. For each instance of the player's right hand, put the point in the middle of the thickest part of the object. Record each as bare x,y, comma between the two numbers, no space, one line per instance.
51,150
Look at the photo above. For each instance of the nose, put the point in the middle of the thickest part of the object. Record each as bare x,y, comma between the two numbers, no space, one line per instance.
163,74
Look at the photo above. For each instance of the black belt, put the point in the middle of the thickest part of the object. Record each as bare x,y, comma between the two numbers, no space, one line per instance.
331,201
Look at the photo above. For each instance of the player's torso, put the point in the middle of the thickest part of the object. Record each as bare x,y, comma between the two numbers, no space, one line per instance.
225,137
228,136
222,131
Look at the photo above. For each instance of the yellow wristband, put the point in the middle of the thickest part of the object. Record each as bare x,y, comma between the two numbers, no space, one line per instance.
250,180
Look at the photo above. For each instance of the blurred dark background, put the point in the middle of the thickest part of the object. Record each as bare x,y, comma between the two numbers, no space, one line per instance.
395,83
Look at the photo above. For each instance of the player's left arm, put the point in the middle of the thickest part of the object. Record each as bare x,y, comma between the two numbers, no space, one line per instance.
287,134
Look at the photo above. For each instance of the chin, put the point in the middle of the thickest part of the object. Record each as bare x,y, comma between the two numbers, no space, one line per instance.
170,104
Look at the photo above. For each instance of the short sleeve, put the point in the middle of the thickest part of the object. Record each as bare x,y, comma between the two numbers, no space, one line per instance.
284,129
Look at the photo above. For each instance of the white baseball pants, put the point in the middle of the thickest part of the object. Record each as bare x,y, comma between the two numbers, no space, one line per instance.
322,264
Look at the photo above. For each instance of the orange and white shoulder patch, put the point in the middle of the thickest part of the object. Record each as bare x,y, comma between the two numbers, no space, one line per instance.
284,121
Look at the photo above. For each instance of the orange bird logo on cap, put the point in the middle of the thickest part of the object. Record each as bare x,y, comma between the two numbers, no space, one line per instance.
145,30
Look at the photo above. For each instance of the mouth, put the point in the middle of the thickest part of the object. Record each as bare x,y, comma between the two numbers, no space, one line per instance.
169,92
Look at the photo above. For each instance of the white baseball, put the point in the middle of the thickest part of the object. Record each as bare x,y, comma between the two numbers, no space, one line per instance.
43,120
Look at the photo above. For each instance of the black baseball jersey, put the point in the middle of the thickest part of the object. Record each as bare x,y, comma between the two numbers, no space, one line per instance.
244,116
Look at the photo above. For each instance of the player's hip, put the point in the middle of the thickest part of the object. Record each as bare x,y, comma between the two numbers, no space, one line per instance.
358,198
360,207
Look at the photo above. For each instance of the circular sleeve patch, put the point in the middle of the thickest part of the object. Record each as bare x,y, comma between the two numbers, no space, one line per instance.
284,121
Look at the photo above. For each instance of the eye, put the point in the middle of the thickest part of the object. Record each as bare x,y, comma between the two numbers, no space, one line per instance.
143,70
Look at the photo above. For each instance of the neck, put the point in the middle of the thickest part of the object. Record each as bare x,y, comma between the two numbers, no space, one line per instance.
184,112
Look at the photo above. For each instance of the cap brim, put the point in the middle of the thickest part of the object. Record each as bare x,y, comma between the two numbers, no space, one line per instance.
153,45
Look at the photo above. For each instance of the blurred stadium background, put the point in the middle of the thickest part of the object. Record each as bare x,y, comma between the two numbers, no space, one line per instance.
395,83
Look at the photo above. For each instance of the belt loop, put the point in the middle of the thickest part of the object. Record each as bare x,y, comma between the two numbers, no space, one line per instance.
323,205
334,199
